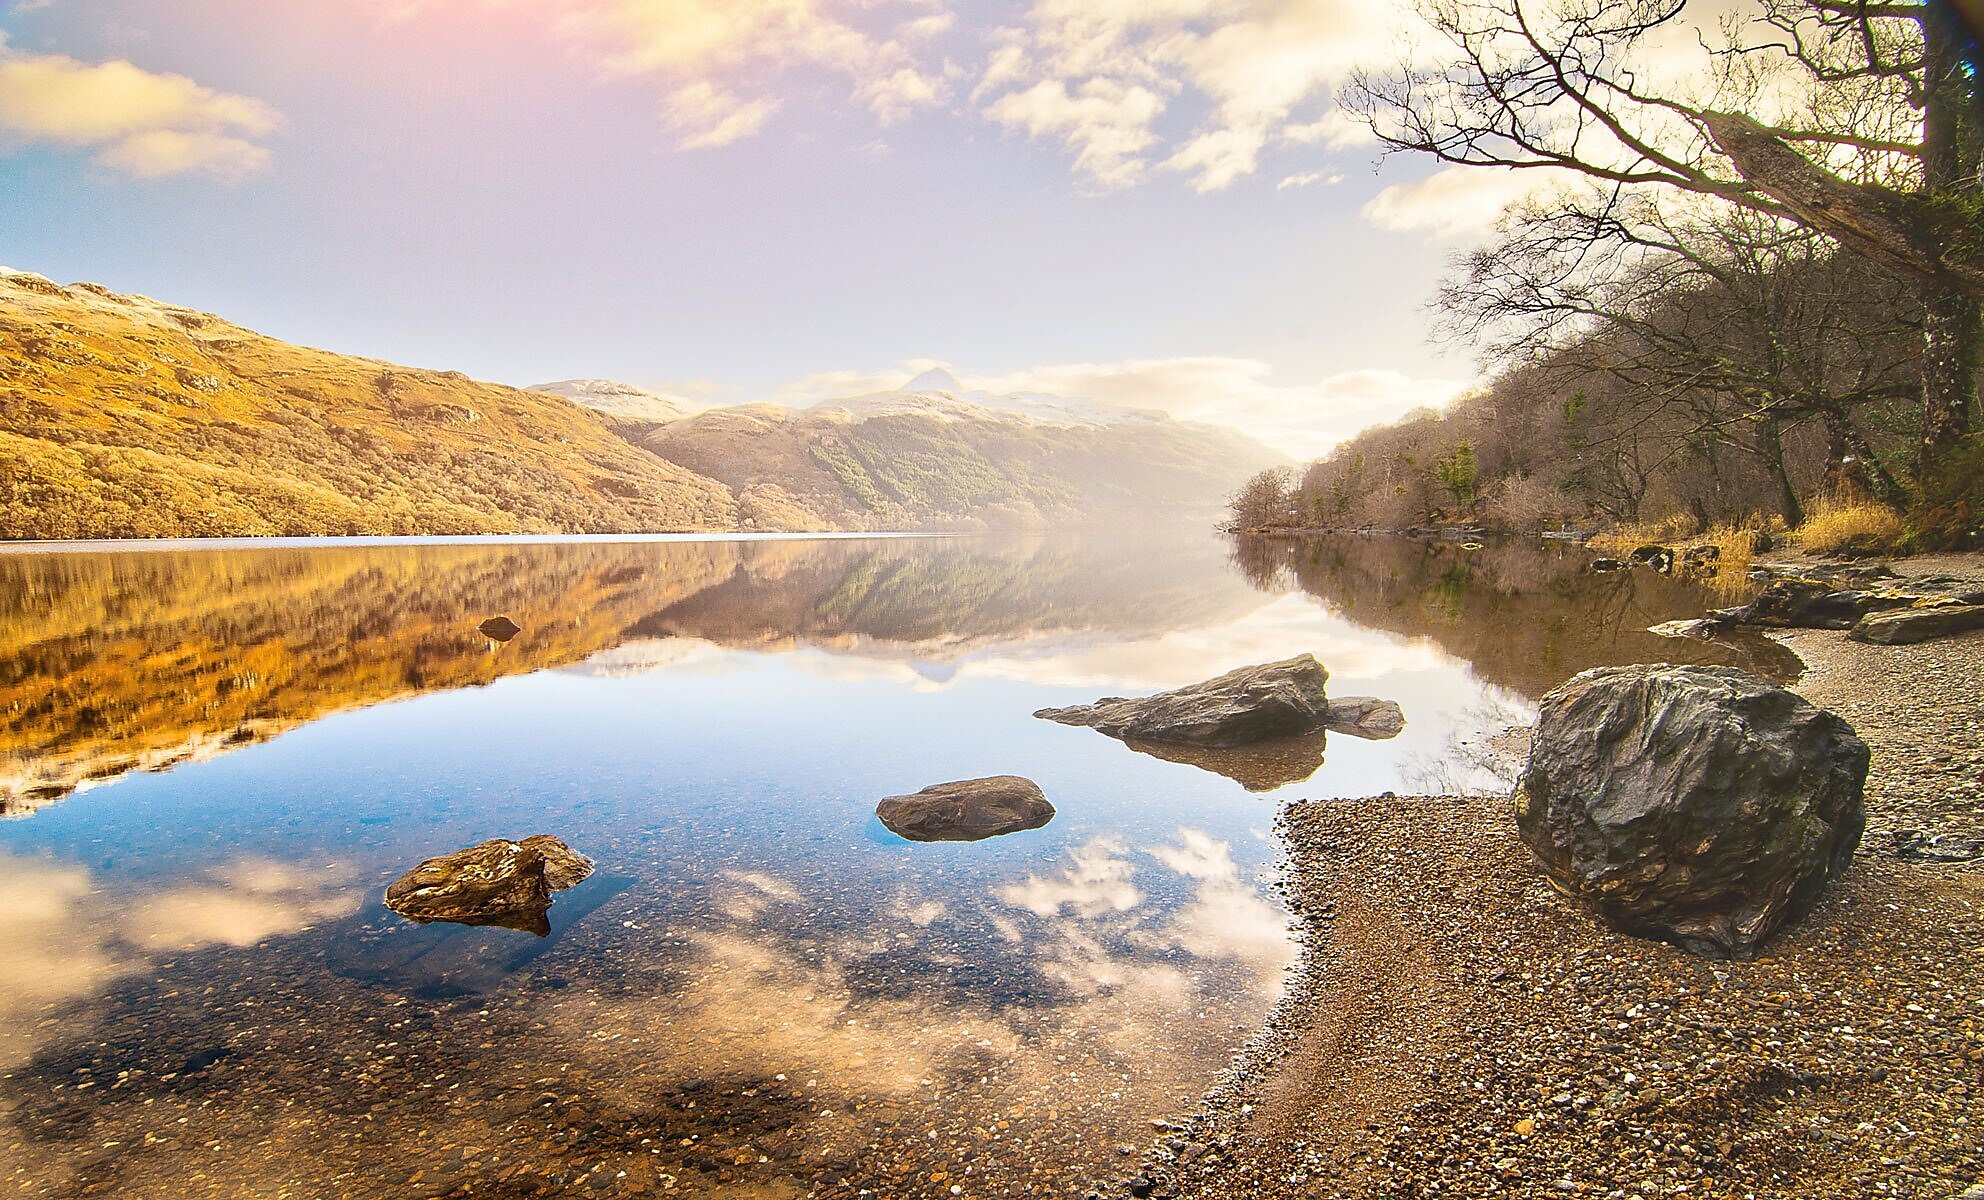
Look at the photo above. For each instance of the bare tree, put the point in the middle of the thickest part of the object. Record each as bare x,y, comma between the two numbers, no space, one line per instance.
1854,119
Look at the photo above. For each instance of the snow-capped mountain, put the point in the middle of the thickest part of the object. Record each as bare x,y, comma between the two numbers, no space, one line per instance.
616,399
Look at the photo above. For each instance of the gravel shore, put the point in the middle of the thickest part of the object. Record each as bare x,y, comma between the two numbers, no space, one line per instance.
1457,1029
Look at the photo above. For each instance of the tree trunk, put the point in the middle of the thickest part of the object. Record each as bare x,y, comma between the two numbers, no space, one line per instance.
1949,366
1770,448
1851,466
1949,167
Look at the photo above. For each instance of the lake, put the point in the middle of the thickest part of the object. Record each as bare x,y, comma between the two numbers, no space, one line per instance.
217,756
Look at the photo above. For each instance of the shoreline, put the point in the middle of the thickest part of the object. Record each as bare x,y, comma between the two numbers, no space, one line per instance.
1472,1034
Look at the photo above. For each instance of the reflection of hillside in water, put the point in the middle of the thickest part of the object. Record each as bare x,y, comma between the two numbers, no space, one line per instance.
113,662
1526,615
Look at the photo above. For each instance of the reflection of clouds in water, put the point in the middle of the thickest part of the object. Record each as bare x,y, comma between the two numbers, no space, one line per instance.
746,895
1062,993
1096,880
1227,917
63,940
1288,625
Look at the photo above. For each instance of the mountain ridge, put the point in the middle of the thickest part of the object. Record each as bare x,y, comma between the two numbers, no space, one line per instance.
123,416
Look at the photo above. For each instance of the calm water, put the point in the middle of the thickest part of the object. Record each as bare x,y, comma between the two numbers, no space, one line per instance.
218,757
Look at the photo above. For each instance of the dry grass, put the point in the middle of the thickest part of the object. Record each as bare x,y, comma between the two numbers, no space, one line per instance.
1676,530
1727,573
1851,527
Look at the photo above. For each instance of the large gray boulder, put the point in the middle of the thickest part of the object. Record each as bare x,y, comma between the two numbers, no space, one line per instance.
967,810
1253,704
1698,805
1909,625
499,882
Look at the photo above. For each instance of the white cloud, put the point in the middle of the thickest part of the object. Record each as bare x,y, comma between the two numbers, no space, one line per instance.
1104,122
1307,179
143,123
704,115
720,56
1246,67
1457,201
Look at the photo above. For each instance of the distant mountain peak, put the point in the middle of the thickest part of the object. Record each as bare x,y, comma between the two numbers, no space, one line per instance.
937,379
615,398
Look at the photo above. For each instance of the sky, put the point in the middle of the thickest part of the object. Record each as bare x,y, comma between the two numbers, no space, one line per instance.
1150,202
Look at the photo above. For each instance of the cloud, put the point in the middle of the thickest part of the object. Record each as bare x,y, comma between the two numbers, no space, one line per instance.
1458,201
145,124
720,57
1097,75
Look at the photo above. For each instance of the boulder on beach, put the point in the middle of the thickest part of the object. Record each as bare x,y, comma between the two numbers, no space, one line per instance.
498,882
1906,626
967,810
1253,704
1699,805
499,629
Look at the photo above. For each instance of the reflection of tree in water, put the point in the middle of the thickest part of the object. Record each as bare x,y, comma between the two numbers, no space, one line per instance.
1260,562
1526,615
1483,753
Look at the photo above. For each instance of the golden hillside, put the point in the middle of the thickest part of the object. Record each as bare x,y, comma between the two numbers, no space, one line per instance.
121,416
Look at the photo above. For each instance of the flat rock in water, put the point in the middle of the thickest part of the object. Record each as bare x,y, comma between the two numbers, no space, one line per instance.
499,882
1699,805
967,810
1253,704
1366,717
1909,625
500,629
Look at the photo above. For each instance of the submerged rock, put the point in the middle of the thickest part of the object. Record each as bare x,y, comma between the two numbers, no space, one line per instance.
500,629
1252,704
499,882
967,810
1906,626
1366,717
1698,805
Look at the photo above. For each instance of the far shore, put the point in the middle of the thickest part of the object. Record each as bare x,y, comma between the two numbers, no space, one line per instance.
1456,1029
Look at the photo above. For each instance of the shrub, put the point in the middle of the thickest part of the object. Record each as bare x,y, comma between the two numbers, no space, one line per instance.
1851,527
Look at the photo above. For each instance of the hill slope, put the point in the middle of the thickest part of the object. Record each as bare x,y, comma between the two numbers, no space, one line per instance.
936,460
124,417
121,416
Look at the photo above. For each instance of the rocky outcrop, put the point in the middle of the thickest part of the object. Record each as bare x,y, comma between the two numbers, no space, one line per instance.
499,629
1813,604
1904,626
1699,805
1253,704
967,810
499,882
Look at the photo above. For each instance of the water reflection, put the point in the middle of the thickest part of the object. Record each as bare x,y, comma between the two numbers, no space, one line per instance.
761,992
116,662
1525,615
